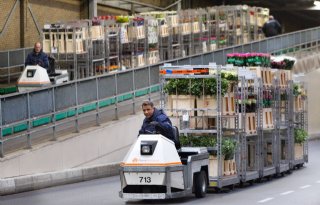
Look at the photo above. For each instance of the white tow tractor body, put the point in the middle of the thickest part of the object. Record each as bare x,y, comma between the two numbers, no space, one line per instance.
36,76
154,169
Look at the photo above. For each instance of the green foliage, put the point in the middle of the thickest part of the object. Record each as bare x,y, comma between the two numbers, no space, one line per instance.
198,141
228,148
177,86
196,87
296,90
228,145
300,135
229,75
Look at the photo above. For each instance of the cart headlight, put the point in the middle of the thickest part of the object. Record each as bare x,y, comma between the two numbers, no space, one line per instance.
147,147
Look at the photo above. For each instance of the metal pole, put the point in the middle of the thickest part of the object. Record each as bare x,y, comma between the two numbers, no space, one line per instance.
92,8
29,146
97,104
77,109
116,97
1,128
54,138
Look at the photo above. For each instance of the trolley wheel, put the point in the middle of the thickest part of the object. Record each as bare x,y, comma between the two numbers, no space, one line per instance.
231,187
217,190
200,184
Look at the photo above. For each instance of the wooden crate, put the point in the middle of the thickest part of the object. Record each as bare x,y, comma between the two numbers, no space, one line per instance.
267,118
298,151
213,166
182,122
250,123
264,73
298,103
60,42
229,123
229,106
213,46
207,102
284,77
139,60
153,57
96,32
186,28
78,38
164,31
48,42
173,20
195,27
229,167
183,102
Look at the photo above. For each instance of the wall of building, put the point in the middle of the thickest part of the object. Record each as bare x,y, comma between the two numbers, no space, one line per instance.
312,80
9,35
30,15
28,18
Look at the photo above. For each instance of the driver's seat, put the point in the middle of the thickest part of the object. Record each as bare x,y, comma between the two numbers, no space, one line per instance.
176,137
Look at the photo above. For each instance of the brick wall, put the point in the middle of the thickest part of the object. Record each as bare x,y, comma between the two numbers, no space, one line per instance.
49,12
46,11
9,38
43,11
102,11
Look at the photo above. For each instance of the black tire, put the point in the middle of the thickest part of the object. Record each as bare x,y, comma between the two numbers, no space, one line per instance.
200,184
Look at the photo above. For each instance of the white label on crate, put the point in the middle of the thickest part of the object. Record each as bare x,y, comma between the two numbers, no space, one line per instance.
185,117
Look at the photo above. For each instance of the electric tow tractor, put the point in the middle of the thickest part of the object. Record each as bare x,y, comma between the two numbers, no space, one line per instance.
156,168
35,76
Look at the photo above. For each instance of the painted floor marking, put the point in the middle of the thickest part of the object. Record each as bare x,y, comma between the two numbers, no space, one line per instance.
265,200
305,186
287,192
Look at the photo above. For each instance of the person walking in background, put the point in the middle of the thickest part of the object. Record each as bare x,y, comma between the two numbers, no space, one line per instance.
37,57
272,27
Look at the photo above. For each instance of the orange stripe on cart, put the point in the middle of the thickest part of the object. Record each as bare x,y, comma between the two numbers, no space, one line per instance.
150,164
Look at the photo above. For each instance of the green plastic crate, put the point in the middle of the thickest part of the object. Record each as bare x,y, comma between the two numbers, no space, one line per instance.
120,98
61,116
80,110
88,108
155,88
127,96
107,102
7,90
71,113
103,103
41,121
20,128
141,93
7,131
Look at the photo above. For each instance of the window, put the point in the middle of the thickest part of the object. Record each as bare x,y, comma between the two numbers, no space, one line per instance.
30,73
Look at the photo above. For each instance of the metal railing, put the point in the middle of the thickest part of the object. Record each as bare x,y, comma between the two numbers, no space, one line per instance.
22,113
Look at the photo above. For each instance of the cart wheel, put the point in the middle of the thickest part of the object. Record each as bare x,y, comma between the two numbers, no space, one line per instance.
200,184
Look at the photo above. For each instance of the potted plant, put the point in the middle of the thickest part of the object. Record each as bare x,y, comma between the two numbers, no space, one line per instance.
300,136
228,150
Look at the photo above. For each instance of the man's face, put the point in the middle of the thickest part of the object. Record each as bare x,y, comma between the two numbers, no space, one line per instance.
147,111
37,47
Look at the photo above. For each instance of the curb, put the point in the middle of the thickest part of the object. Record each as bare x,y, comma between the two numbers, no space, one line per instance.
39,181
